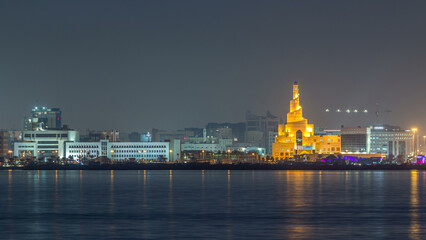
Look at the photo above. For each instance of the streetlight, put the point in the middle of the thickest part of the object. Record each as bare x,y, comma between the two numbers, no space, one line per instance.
414,144
229,154
171,154
424,144
203,155
112,155
10,153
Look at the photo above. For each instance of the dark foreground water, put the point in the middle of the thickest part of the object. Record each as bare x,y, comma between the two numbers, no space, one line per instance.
212,204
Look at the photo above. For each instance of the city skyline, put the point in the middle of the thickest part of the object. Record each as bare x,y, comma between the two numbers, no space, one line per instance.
141,65
186,119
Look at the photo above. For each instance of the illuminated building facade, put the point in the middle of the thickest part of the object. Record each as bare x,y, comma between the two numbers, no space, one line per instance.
296,137
118,151
43,118
44,144
393,140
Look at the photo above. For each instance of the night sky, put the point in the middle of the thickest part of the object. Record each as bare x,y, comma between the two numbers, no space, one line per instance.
134,65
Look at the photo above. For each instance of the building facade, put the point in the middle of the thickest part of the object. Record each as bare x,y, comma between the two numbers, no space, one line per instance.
355,140
208,147
118,151
4,143
44,144
272,136
258,128
237,130
386,139
296,137
43,118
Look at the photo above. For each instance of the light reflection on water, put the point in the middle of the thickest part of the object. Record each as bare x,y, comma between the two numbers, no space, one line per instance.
212,204
414,206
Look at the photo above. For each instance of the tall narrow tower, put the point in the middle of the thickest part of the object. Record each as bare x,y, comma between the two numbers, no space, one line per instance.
296,113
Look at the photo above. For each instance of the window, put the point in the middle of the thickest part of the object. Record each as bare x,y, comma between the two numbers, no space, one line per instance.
299,138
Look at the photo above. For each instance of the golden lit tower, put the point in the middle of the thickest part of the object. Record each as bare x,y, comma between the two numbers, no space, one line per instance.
296,136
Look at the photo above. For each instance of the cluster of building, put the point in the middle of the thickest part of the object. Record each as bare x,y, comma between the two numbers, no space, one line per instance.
298,138
43,136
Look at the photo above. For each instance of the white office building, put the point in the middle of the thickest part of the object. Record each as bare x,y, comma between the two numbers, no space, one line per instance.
44,143
393,140
119,151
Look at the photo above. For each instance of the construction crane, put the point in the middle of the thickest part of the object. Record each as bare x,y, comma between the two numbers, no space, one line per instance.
379,111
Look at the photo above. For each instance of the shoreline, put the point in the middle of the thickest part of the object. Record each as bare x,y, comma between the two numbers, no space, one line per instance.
201,166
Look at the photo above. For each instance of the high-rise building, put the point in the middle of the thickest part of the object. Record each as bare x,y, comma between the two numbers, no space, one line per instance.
258,128
43,118
296,137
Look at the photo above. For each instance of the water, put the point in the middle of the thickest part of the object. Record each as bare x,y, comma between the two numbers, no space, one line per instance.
212,204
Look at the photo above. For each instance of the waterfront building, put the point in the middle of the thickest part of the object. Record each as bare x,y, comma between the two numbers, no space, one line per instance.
175,149
209,147
259,151
118,151
386,139
44,144
296,137
43,118
355,140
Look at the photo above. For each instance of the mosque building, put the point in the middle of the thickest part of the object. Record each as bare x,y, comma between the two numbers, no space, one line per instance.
296,137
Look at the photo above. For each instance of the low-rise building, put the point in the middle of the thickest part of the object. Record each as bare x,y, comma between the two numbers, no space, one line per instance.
44,144
355,139
118,151
209,147
386,139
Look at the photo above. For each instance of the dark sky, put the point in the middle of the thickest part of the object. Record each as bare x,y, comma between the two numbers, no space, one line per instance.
134,65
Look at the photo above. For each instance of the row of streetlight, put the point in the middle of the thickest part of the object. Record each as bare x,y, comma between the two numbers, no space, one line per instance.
415,152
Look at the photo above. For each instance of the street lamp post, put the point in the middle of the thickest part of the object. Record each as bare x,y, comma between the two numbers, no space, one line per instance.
112,155
170,155
414,144
424,144
203,155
